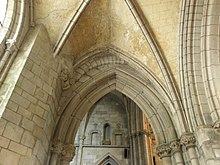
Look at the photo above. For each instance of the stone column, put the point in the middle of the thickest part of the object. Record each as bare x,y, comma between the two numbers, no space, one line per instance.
68,153
164,152
176,152
188,140
80,153
56,150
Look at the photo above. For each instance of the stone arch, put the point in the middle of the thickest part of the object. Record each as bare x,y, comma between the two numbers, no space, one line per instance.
105,71
199,61
18,16
211,57
108,159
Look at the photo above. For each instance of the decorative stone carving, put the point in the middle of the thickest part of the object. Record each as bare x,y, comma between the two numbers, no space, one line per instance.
175,146
66,79
216,125
163,151
68,152
188,140
11,45
57,147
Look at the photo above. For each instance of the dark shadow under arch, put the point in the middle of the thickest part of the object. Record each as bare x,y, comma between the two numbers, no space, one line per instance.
108,160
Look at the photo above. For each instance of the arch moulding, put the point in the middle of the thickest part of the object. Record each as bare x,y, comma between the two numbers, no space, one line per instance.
103,71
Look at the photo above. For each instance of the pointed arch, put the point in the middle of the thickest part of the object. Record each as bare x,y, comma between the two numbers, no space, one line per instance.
108,160
103,71
145,28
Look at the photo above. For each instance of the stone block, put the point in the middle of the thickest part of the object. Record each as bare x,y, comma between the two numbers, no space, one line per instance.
18,90
29,64
36,69
24,112
41,95
44,106
4,142
12,105
27,74
12,116
29,97
20,100
28,86
40,152
8,157
35,109
26,160
48,89
2,125
27,124
28,139
38,81
18,148
13,132
39,121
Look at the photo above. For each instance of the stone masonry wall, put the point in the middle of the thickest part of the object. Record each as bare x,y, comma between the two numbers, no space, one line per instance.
107,110
27,122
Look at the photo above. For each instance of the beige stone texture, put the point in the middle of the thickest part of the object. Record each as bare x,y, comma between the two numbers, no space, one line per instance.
57,60
163,18
109,23
8,157
55,12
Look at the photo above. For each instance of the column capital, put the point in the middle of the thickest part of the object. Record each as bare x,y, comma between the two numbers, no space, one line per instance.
68,152
57,147
216,125
163,150
175,146
11,45
188,140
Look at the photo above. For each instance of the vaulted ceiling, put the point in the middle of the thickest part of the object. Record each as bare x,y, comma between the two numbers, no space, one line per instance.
112,23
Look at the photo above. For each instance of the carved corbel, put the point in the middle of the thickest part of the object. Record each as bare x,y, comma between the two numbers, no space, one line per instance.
175,146
11,45
66,79
68,152
188,140
163,150
216,125
57,147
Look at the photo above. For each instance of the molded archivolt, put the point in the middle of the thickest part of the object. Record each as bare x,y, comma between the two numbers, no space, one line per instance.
211,56
102,72
199,61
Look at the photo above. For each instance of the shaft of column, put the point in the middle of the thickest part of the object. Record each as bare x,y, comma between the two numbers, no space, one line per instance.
177,152
188,140
164,152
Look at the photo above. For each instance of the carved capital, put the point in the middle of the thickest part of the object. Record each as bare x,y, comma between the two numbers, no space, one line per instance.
11,45
57,147
66,79
175,146
216,125
188,140
163,151
68,152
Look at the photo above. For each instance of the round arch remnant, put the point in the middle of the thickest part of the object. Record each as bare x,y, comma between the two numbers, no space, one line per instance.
104,71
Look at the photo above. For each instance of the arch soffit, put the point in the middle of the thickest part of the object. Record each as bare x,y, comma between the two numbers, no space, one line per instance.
117,74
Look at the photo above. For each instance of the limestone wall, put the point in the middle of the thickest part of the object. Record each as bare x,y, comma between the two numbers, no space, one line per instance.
107,110
27,122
